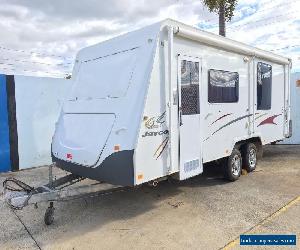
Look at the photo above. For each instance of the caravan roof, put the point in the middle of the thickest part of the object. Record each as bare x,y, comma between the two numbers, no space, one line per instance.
182,30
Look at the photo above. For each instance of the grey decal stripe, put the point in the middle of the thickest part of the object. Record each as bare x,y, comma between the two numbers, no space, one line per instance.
220,118
259,116
231,122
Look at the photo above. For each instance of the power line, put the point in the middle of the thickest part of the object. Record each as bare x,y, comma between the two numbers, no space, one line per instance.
275,6
35,53
255,26
287,47
15,71
259,11
240,27
33,71
261,20
278,5
244,25
12,71
64,65
267,2
15,65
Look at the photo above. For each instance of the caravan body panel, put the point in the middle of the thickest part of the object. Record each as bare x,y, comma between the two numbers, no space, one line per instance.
109,86
132,90
78,141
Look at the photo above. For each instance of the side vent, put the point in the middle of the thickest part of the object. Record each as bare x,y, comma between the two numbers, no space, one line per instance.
191,165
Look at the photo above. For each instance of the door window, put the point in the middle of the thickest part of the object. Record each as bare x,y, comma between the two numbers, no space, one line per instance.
264,86
190,87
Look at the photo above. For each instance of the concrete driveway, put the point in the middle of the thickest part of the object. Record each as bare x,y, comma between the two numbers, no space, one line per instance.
205,212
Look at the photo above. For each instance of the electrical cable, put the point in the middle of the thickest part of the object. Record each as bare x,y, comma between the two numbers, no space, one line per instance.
287,47
34,62
261,20
13,185
35,53
259,11
15,71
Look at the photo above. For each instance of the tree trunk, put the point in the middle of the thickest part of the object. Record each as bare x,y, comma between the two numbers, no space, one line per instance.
222,20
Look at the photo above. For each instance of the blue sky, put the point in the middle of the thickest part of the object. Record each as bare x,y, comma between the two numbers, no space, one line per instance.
43,37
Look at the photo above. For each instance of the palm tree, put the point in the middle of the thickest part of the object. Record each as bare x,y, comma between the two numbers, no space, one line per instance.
225,9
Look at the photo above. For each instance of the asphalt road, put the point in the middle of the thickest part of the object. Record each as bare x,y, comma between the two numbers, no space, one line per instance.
205,212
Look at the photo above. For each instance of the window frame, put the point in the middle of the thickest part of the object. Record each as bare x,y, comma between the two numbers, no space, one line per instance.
237,87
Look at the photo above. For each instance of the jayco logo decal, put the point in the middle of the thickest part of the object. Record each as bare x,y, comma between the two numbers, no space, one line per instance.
155,122
163,132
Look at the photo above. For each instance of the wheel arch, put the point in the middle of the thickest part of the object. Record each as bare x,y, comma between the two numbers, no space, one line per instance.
255,140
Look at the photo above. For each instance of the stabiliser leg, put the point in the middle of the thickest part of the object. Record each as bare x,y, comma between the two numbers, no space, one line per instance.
49,214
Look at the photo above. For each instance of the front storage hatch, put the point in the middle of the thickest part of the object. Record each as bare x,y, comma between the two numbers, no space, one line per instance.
80,138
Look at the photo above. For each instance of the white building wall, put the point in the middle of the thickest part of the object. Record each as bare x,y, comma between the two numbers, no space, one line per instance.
295,110
38,103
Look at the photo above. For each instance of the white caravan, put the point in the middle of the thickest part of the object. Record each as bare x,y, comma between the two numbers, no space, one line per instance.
164,100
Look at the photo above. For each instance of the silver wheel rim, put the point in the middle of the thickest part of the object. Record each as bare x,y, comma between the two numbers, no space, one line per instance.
252,158
236,165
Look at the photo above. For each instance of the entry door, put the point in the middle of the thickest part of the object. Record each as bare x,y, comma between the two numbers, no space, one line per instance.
190,141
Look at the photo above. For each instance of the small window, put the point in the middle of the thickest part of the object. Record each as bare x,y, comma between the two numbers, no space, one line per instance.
223,86
264,86
190,88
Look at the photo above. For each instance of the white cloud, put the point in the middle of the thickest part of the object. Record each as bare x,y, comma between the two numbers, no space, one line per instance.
62,27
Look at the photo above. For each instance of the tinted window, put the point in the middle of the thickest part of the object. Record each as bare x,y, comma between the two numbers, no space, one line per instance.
223,86
264,86
190,87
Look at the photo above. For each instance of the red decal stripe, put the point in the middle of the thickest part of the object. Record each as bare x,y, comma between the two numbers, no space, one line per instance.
269,120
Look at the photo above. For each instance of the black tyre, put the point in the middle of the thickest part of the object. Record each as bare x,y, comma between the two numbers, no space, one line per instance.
233,166
49,215
249,157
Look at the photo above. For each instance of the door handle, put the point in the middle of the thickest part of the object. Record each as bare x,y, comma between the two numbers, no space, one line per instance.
180,117
175,97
